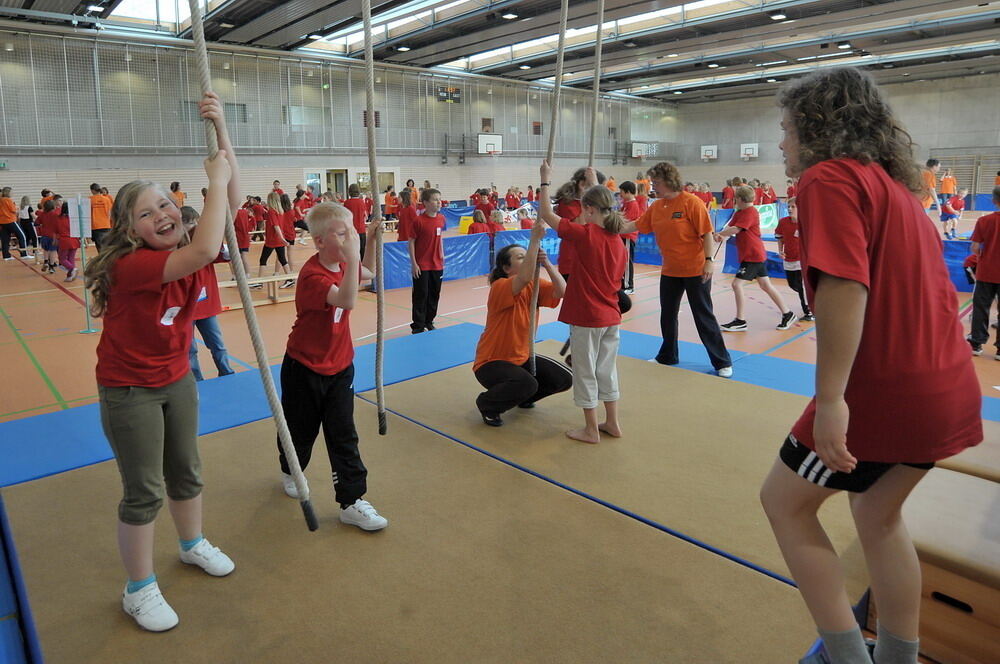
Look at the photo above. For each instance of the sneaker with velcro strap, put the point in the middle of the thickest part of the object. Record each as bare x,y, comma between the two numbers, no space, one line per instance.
363,515
149,609
209,558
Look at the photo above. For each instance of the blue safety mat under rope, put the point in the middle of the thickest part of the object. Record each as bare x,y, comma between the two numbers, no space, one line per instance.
74,437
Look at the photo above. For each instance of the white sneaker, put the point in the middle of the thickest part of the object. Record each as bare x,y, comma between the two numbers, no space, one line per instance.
209,558
725,372
363,515
288,484
149,608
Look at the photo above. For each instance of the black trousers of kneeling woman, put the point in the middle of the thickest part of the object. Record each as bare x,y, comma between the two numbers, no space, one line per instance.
509,385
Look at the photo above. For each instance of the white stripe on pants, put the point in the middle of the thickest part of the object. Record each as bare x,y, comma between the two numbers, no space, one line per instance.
595,371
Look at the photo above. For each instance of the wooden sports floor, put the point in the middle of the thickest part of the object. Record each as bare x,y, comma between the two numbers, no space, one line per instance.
504,545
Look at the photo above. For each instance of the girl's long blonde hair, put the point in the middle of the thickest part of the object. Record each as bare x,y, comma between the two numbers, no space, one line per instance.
600,197
274,202
478,217
120,241
496,217
25,202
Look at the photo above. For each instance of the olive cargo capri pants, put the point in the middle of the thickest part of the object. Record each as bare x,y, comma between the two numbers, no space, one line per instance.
153,432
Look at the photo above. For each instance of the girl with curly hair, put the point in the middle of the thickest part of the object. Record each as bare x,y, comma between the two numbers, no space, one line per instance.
874,272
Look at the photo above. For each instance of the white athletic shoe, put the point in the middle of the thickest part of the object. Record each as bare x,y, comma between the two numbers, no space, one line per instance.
363,515
209,558
725,372
288,484
149,608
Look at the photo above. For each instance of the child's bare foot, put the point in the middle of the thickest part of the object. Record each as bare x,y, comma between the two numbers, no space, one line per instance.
612,430
583,435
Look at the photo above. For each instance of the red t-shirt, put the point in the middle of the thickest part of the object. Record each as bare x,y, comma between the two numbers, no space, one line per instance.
527,223
486,209
241,224
591,298
788,232
758,196
769,197
405,224
209,303
47,223
494,227
704,196
987,233
302,205
790,191
728,198
321,334
259,212
273,238
954,205
147,325
643,203
567,255
631,211
288,219
427,246
474,199
749,245
360,213
66,241
912,402
476,227
531,195
512,201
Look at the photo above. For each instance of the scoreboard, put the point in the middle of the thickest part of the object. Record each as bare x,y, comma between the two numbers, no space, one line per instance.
448,95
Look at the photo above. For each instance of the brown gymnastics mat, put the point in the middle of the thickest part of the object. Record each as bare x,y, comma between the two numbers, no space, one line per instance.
695,452
481,563
983,460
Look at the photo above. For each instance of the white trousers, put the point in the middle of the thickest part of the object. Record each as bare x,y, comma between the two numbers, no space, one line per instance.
595,371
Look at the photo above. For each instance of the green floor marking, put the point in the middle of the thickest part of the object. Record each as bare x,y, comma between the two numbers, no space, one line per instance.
34,360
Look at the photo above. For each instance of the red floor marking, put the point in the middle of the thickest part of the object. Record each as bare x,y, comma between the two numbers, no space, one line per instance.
54,283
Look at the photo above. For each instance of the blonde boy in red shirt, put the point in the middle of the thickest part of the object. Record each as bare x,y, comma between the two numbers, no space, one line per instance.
317,374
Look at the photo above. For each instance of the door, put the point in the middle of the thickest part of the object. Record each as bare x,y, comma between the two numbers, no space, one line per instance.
336,181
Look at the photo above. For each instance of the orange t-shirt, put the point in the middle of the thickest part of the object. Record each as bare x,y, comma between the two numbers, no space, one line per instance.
41,202
930,183
508,316
679,226
100,211
611,184
179,197
8,210
391,203
996,181
947,185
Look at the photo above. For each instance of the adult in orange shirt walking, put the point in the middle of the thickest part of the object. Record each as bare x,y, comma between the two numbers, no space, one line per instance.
501,364
929,176
100,214
680,222
8,225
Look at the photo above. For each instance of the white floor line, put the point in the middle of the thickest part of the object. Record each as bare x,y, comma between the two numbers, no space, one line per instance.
390,329
481,306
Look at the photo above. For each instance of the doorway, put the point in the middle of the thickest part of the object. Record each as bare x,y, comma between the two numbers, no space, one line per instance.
336,181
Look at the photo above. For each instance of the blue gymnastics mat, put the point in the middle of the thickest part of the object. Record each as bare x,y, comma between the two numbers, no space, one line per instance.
44,445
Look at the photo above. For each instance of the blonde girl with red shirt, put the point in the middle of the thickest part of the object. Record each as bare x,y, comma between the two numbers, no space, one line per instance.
145,283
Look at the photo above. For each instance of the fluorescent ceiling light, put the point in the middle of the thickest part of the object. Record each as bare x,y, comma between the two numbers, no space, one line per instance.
95,8
227,26
772,80
510,16
672,55
402,49
843,45
678,92
713,65
778,16
315,36
525,67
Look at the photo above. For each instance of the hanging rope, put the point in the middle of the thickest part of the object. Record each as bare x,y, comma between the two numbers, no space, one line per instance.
383,426
549,154
201,57
597,81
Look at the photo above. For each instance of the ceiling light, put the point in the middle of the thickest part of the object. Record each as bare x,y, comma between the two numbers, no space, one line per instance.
906,73
843,45
672,55
772,80
678,92
8,46
713,65
315,36
227,26
525,67
629,44
402,49
778,16
490,91
225,65
510,16
644,87
95,8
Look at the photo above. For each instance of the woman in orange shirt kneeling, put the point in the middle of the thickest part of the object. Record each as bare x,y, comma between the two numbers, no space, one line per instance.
502,364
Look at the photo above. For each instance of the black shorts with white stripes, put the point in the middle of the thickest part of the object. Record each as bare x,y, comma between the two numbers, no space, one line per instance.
808,465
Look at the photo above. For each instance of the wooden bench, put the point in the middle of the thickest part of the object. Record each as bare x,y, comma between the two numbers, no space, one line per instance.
270,289
983,460
952,518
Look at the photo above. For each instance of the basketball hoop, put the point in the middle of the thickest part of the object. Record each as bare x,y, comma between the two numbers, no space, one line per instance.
493,153
746,157
706,157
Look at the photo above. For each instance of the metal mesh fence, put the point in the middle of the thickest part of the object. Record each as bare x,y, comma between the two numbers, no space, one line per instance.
76,94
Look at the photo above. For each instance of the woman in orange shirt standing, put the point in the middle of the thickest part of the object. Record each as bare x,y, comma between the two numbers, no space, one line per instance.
501,364
391,203
177,195
948,187
8,225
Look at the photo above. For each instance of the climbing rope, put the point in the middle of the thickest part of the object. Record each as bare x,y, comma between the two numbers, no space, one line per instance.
556,94
598,47
201,58
383,427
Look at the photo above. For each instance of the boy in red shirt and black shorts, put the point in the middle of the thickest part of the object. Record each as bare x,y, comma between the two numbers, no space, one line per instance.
986,244
787,235
884,411
426,260
317,374
745,225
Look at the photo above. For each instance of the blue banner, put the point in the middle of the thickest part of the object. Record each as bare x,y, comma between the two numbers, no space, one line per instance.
464,256
550,243
453,215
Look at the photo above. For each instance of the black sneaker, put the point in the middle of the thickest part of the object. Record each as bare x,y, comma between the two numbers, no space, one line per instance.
492,420
807,318
527,404
786,320
735,325
430,326
977,349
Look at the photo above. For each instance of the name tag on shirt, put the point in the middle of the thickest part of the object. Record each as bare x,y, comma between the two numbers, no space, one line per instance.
169,315
338,313
677,215
438,229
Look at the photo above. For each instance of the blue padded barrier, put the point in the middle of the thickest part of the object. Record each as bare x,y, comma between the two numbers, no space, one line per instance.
550,243
983,203
464,256
453,215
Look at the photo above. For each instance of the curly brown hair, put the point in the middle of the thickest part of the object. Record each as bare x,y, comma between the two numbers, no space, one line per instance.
842,113
668,173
